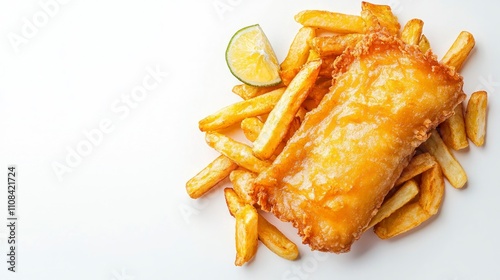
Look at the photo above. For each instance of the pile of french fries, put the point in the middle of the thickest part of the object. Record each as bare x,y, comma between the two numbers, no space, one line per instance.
268,116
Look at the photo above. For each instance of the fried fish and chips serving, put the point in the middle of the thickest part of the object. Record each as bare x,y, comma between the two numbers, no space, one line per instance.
356,130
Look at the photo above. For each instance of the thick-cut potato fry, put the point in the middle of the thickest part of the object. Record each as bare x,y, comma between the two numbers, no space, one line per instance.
236,112
384,16
334,44
405,218
247,220
459,51
334,22
417,165
452,169
243,183
412,32
297,54
247,91
313,55
424,44
276,241
238,152
294,125
233,201
475,117
452,130
401,197
251,128
269,235
278,122
432,190
212,174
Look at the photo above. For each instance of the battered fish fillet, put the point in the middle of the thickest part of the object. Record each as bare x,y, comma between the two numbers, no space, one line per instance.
335,171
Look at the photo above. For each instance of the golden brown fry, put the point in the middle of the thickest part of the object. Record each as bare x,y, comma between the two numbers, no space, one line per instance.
405,218
424,44
412,32
278,122
297,54
475,117
384,16
334,44
236,112
334,22
452,130
451,167
276,241
243,183
233,201
269,235
207,178
417,165
247,91
251,128
401,197
313,55
238,152
246,234
432,190
459,51
294,125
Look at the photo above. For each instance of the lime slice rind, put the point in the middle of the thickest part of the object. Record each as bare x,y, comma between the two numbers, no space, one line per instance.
251,59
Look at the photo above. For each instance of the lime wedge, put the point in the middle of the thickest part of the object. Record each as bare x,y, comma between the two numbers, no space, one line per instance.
251,58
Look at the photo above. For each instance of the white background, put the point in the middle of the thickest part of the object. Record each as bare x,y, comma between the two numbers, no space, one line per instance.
122,212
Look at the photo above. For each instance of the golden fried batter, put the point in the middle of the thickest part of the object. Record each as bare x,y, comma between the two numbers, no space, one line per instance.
335,171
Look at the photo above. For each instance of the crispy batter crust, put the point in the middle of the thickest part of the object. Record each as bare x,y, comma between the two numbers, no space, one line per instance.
335,171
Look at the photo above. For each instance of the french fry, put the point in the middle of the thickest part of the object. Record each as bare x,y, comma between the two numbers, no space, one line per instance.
330,21
276,241
452,169
212,174
238,152
242,184
424,44
475,117
384,16
236,112
417,165
334,44
278,122
294,125
459,50
297,54
412,32
233,201
401,197
313,55
247,221
413,214
404,219
452,130
251,127
247,91
432,190
269,235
